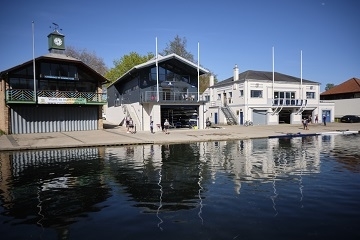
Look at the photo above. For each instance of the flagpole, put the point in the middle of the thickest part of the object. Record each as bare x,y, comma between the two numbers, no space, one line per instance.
198,72
273,72
33,51
301,74
157,71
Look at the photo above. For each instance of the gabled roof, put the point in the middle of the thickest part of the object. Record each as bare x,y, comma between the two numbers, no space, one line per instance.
57,57
350,86
264,76
172,62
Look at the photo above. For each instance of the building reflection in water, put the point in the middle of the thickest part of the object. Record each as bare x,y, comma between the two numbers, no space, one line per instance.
56,188
52,188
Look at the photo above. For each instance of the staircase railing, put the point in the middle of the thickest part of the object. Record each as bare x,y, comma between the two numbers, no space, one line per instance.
230,116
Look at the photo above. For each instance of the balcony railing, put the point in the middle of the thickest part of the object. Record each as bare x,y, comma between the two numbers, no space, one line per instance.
284,102
54,97
173,97
288,102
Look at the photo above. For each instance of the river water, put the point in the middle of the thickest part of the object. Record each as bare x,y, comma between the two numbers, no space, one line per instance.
297,188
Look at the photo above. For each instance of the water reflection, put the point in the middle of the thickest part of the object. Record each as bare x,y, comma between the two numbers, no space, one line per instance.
55,189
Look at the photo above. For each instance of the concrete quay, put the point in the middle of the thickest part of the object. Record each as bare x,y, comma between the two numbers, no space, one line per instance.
114,135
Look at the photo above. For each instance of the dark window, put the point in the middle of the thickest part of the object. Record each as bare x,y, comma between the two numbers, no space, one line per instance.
256,93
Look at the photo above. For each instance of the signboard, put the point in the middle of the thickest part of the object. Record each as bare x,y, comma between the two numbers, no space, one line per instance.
50,100
60,77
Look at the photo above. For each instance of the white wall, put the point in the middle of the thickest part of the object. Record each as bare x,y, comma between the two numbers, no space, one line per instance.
115,114
347,107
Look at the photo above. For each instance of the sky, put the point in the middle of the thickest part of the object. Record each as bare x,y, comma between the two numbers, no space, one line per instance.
219,34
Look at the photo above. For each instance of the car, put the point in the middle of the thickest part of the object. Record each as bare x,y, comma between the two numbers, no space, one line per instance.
350,119
178,125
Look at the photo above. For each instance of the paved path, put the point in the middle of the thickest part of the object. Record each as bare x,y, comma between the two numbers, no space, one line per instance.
114,135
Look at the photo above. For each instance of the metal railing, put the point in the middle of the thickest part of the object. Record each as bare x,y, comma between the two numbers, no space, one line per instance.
288,102
167,96
20,96
27,96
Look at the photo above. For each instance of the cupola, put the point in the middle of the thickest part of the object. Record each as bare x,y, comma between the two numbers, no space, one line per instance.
56,41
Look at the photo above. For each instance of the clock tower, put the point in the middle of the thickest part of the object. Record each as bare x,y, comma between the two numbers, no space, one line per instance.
56,42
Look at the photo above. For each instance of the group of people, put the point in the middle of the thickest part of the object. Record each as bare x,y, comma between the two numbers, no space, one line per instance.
165,129
130,127
308,120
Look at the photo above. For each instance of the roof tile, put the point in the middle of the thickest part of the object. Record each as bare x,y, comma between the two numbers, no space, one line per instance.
350,86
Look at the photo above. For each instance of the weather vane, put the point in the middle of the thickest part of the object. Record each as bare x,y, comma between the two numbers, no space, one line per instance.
56,27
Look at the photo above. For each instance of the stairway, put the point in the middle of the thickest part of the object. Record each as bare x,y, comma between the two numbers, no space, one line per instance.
230,117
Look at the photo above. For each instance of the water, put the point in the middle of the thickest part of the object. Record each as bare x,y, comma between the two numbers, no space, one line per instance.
300,188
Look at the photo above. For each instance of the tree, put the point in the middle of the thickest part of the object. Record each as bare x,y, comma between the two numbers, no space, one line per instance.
205,81
89,58
125,63
178,46
329,86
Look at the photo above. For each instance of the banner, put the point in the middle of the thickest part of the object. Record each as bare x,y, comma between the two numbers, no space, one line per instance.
49,100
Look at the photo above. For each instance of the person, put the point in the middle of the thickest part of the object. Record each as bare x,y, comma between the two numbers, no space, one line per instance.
324,120
127,124
166,126
316,118
305,124
152,126
208,123
310,119
131,125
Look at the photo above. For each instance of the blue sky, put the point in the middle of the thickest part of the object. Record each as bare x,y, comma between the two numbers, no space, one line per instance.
229,32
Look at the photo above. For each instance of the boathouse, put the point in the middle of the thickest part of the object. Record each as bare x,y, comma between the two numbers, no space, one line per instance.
51,93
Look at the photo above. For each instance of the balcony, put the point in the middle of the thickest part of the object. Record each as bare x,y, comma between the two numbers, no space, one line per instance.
171,97
288,102
25,96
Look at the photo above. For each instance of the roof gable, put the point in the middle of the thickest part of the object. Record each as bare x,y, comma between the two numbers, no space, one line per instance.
265,76
168,62
350,86
59,57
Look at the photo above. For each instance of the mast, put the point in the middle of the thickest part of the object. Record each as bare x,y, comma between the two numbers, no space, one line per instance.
273,72
301,74
198,72
157,71
33,53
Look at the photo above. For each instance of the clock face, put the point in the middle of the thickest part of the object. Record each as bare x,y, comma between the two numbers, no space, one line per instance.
57,41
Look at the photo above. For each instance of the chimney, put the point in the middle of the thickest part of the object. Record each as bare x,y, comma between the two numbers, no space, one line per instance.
211,81
236,73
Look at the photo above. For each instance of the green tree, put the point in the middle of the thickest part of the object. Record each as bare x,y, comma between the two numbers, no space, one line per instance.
89,58
329,86
125,63
178,46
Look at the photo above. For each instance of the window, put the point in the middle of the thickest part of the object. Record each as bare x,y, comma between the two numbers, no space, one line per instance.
310,95
256,93
287,95
219,97
241,93
230,94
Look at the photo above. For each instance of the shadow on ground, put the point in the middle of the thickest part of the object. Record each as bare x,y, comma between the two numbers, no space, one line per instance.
108,125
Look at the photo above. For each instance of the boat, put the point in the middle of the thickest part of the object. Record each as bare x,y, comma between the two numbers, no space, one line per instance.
293,135
341,132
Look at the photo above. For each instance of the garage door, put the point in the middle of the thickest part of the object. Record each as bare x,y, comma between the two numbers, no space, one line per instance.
259,117
53,118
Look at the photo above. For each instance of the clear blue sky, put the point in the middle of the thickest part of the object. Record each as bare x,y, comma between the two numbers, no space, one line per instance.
240,32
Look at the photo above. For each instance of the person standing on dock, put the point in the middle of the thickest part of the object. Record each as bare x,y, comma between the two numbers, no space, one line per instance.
324,120
166,126
152,126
